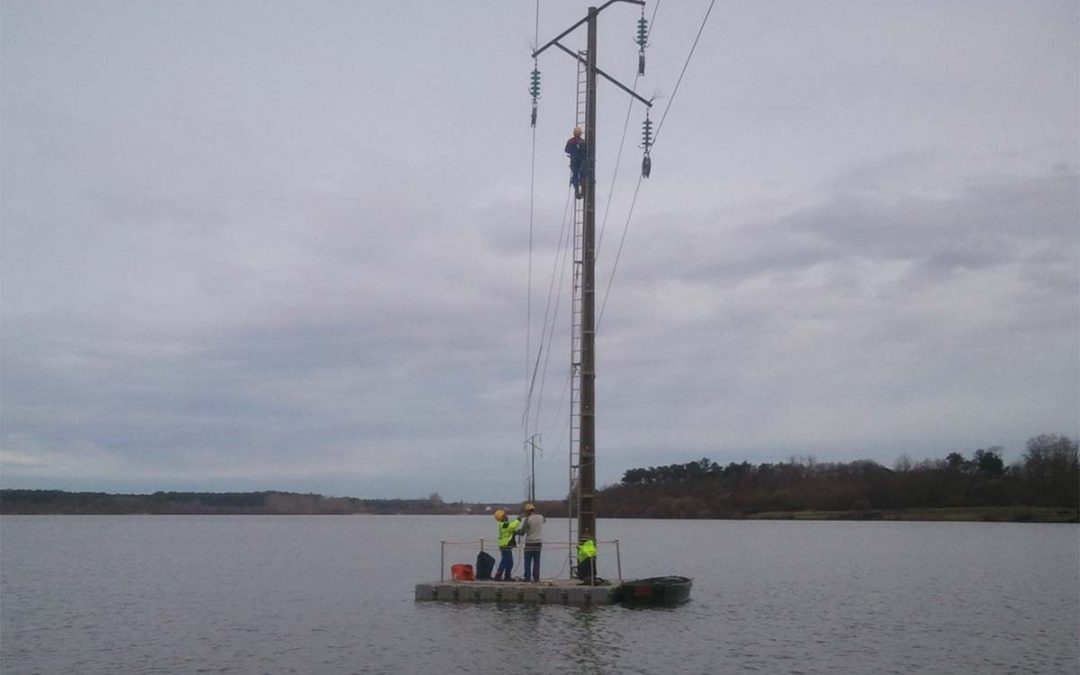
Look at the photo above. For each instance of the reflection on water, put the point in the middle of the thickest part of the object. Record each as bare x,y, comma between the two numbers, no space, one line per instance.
585,641
334,595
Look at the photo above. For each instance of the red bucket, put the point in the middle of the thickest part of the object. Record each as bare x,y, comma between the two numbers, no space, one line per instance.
461,572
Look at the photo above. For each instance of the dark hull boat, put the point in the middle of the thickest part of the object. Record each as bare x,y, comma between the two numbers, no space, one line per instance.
666,591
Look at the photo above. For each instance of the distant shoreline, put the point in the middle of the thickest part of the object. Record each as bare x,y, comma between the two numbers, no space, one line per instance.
1044,487
57,502
984,514
960,515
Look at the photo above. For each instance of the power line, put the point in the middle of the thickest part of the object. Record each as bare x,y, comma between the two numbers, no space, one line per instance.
565,254
679,81
561,250
618,254
633,202
622,141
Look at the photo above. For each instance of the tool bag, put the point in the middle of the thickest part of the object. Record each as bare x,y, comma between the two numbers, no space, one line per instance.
484,564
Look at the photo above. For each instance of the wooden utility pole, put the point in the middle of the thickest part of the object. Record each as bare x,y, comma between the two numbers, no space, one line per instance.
587,451
587,440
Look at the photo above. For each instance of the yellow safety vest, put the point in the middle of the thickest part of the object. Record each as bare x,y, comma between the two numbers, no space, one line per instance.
586,550
507,528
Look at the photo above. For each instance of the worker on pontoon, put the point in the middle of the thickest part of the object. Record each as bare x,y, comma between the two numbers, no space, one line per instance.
533,528
508,527
576,148
586,561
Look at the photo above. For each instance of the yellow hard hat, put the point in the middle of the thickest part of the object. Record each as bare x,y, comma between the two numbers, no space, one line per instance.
500,514
577,131
530,507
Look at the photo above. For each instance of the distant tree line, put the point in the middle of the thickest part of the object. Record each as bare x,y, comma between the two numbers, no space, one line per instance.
1048,476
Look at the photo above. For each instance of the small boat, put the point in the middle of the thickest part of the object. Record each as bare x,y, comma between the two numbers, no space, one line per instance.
656,591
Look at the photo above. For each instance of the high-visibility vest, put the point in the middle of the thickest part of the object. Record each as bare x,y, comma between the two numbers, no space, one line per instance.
507,528
586,550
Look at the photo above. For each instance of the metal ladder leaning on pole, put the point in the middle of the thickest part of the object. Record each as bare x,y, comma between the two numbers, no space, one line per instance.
573,499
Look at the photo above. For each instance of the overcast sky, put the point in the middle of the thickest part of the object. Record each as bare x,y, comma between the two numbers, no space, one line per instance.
286,245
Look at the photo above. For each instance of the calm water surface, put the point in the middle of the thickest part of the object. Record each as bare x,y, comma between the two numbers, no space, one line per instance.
334,594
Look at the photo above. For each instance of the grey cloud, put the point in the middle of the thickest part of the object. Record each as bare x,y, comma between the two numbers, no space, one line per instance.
241,250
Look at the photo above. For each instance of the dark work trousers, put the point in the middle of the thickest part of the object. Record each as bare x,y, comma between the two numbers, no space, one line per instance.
532,562
506,563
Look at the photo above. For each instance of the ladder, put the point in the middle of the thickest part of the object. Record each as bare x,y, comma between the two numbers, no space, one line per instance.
574,497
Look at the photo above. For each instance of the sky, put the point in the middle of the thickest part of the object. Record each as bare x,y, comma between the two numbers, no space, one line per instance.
311,246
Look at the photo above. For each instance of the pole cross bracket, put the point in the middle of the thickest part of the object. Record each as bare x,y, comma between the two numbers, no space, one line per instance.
620,85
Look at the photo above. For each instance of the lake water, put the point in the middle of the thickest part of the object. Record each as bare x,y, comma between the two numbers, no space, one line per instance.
334,594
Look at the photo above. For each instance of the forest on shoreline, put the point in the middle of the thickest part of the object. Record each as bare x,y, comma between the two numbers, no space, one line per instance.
1044,486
